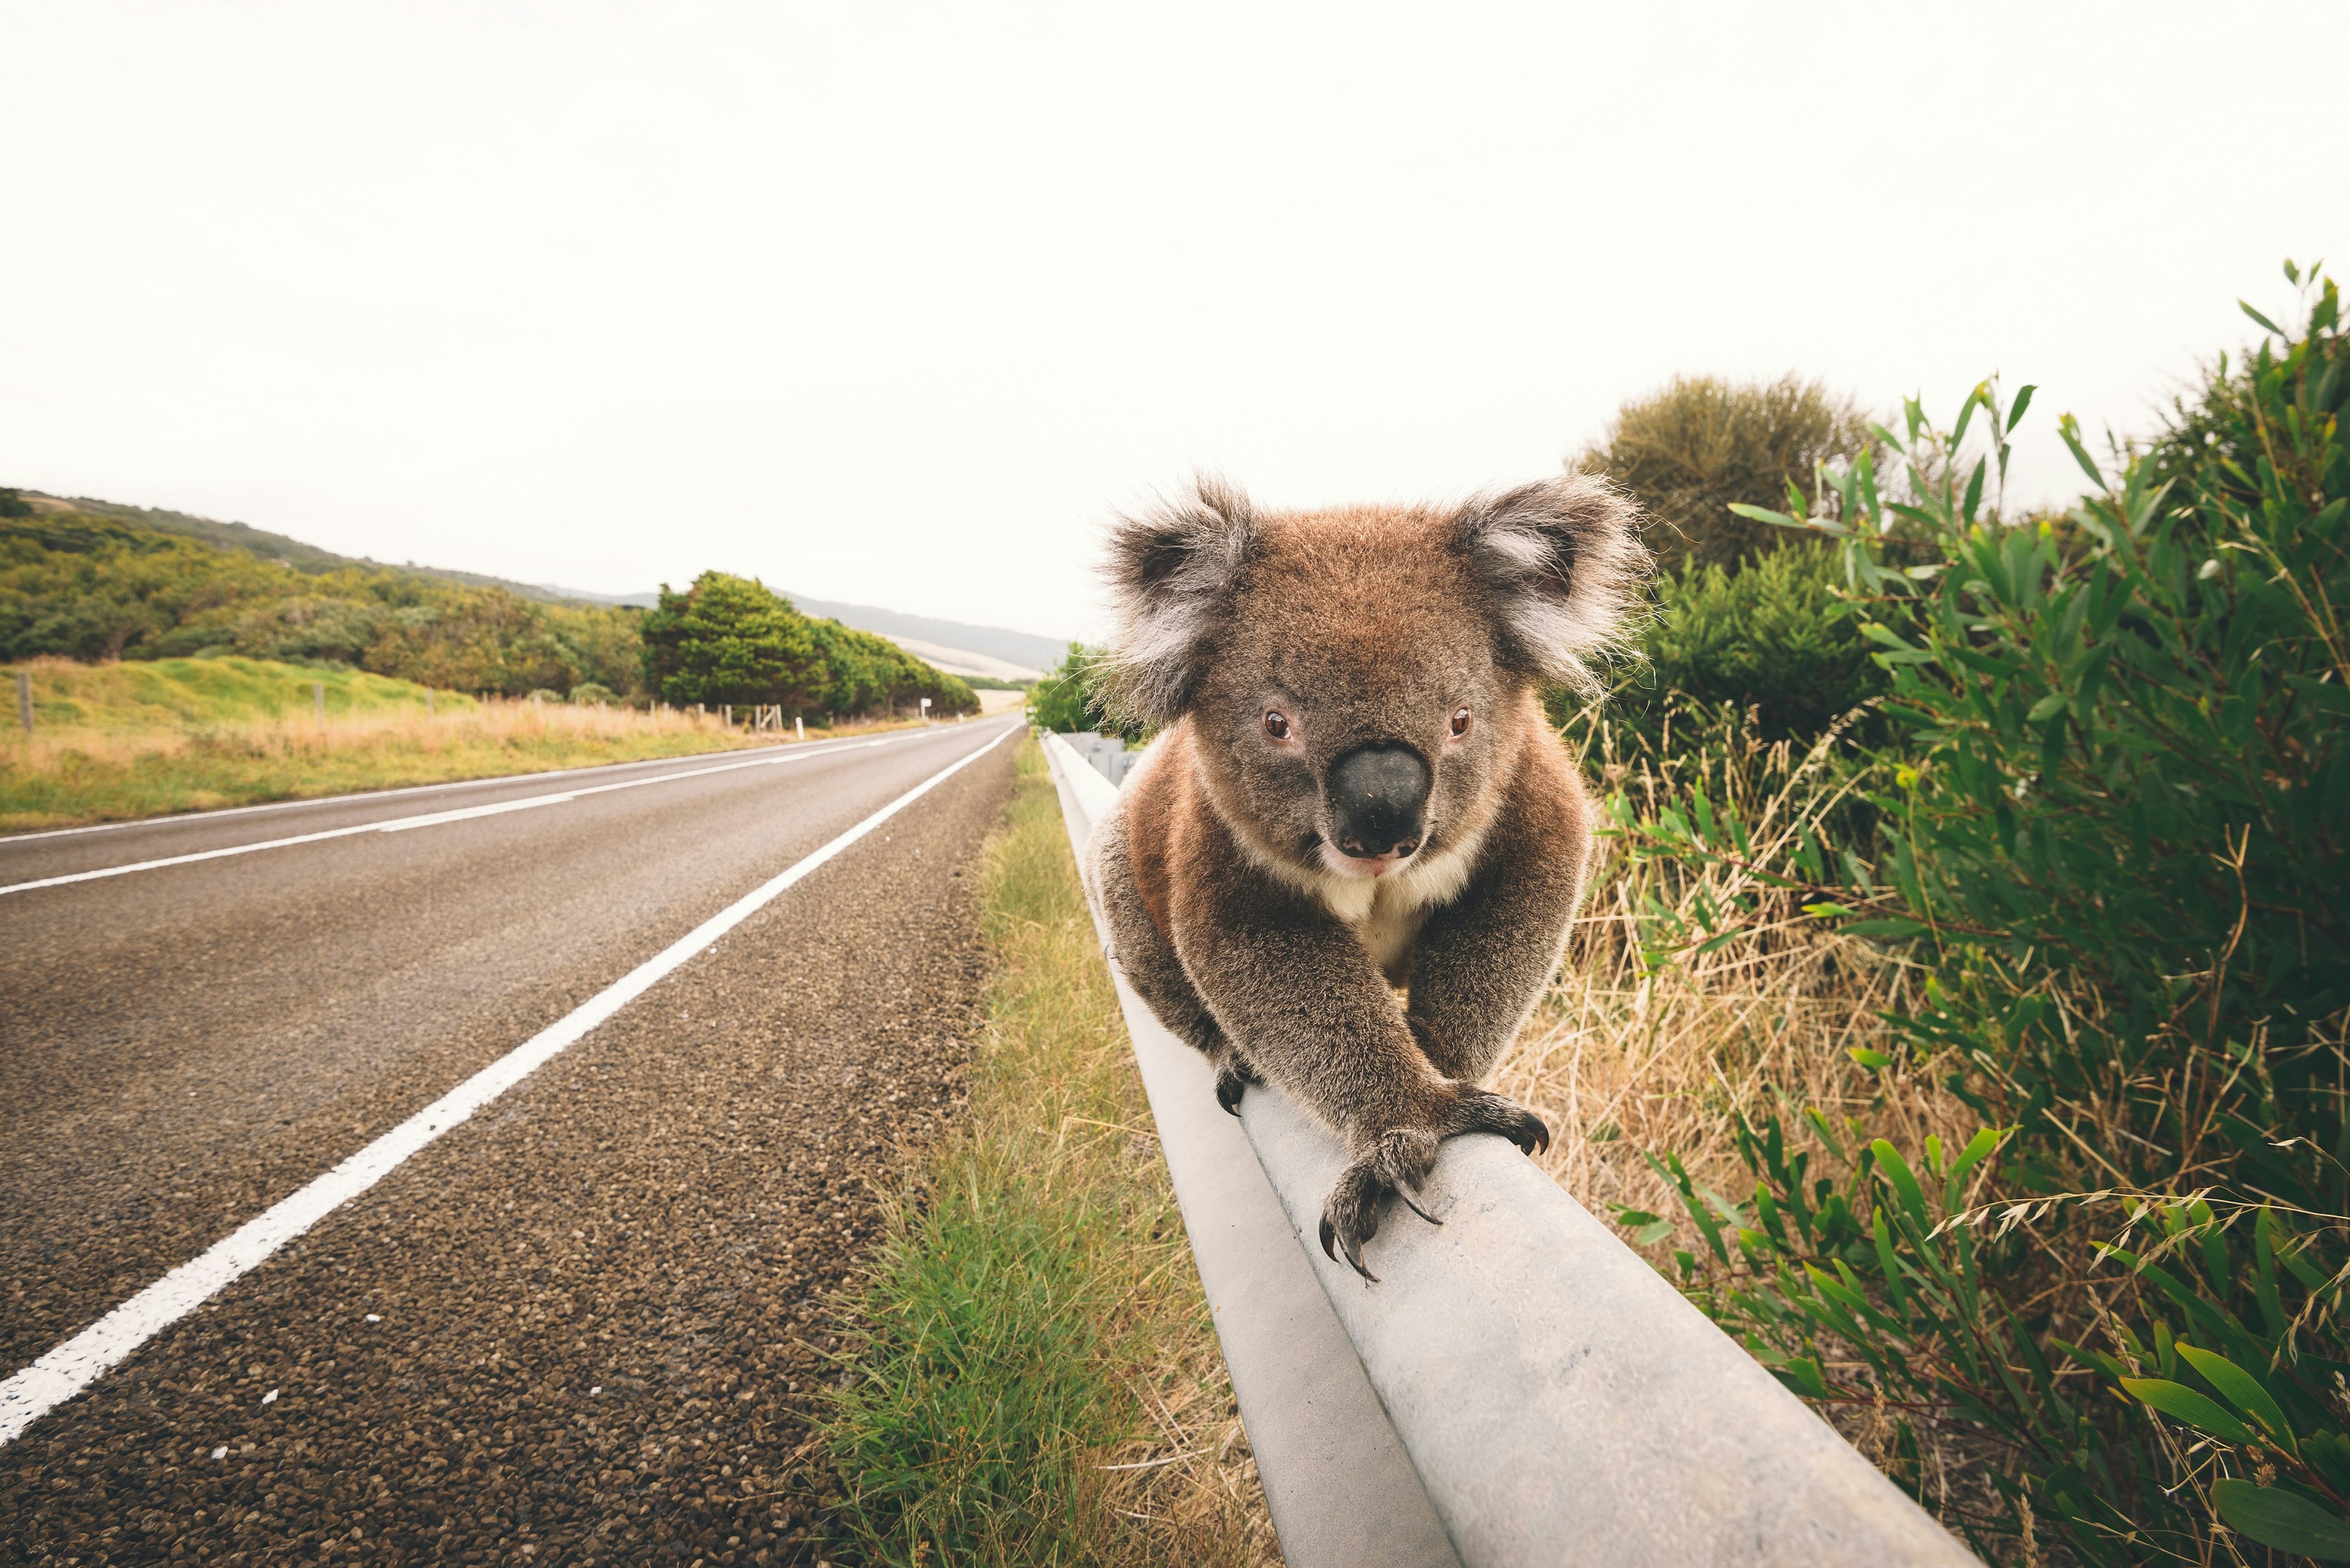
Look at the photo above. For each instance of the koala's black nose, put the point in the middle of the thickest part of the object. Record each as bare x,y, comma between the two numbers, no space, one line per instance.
1376,795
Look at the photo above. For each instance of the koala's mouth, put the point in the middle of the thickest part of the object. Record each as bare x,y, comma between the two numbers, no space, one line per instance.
1367,866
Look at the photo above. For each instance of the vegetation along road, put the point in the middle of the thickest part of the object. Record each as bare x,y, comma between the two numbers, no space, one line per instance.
569,1316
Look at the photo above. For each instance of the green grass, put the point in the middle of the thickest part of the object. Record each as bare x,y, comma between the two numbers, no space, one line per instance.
193,692
1033,1314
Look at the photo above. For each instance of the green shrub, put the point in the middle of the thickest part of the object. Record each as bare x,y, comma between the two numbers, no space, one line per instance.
1069,699
2115,843
1689,452
1778,637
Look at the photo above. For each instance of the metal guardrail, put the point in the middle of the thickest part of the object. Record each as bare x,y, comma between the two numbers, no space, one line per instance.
1108,753
1519,1389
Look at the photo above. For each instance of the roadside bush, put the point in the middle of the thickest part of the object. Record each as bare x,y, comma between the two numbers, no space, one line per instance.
1690,451
1778,637
865,672
1069,699
2113,853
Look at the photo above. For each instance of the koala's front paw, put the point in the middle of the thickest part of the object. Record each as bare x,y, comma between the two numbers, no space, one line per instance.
1233,1077
1400,1159
1477,1111
1397,1161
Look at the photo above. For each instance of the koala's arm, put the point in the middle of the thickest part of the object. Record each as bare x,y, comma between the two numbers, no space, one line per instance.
1483,962
1299,996
1296,993
1144,955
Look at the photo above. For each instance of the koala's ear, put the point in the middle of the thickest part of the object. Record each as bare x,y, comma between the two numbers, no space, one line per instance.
1562,563
1171,572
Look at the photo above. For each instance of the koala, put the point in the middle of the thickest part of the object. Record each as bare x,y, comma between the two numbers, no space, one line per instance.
1356,789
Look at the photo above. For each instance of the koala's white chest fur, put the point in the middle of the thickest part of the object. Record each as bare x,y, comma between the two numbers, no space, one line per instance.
1386,913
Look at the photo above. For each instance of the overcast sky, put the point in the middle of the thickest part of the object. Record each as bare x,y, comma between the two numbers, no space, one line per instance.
893,303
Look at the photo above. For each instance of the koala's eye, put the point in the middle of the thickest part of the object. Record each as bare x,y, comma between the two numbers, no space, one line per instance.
1276,724
1459,720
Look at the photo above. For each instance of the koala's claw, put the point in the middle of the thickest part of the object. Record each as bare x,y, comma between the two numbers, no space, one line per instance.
1481,1112
1403,1195
1351,1217
1233,1078
1398,1161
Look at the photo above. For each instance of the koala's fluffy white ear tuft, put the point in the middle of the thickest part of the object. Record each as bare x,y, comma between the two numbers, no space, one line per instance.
1171,571
1563,563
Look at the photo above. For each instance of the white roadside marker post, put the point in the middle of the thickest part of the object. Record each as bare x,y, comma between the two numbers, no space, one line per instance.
800,728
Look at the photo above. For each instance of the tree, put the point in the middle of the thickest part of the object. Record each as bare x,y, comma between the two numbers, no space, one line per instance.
731,639
1687,452
1069,698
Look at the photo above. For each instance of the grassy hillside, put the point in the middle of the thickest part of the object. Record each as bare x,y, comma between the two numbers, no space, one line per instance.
285,550
1025,648
100,587
192,694
117,582
114,741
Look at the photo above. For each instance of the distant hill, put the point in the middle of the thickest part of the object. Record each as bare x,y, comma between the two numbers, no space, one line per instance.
954,646
1025,655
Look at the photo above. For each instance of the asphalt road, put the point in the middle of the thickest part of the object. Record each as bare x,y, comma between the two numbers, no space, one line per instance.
582,1326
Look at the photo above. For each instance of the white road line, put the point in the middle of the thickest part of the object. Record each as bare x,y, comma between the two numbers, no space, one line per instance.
179,818
80,1361
434,819
176,818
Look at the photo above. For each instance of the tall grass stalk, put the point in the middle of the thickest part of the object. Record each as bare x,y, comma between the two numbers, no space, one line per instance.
1033,1376
1638,1052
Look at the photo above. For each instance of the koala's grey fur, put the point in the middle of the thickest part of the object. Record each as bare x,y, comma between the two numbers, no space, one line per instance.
1230,906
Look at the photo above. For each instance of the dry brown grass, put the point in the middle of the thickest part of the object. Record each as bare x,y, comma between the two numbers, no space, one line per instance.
112,743
1626,1061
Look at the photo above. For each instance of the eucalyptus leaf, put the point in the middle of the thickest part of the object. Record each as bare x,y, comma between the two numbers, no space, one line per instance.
2283,1520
